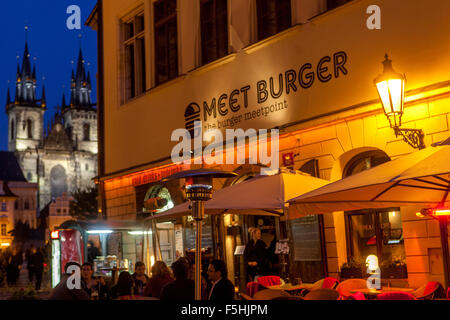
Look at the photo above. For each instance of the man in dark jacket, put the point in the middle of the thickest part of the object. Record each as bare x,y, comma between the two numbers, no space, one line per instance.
36,266
63,292
222,289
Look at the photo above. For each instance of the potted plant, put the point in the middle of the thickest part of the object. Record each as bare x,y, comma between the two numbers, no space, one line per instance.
354,268
24,294
394,269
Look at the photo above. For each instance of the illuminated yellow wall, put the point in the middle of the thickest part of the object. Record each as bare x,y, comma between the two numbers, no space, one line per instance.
413,33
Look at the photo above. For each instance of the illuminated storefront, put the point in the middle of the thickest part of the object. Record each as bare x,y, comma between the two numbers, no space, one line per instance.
313,81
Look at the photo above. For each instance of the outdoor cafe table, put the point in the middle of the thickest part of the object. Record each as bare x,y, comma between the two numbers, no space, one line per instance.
291,287
375,292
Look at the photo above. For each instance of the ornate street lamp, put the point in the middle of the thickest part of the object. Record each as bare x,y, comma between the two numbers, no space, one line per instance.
199,190
391,90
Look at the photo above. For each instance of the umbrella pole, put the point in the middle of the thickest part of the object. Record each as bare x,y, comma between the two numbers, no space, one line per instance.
198,208
443,221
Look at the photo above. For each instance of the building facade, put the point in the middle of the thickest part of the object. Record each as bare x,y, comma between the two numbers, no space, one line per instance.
305,67
18,199
63,156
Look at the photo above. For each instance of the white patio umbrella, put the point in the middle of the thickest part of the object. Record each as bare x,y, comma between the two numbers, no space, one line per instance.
420,178
261,195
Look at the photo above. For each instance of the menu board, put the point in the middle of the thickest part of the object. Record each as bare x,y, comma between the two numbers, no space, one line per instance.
207,240
306,239
178,241
114,240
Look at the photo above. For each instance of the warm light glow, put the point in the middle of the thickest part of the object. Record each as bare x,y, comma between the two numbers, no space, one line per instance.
152,260
442,212
5,244
99,231
391,94
372,262
55,235
139,233
419,214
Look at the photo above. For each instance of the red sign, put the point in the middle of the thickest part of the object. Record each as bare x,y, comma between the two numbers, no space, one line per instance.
155,175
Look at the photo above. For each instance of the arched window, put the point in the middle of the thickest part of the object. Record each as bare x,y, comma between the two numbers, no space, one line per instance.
12,129
373,231
30,128
58,181
86,132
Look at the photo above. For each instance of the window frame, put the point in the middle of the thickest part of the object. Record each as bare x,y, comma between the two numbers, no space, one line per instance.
3,230
164,22
377,225
262,16
139,72
217,34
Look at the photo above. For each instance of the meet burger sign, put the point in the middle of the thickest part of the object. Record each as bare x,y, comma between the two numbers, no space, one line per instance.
230,108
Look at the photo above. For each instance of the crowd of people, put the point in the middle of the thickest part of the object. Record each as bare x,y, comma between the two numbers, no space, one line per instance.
174,283
11,261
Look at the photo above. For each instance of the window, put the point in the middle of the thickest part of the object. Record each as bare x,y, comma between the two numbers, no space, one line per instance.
3,231
16,204
377,231
273,16
29,176
214,27
27,204
366,227
331,4
30,128
12,129
86,132
166,47
4,206
86,167
134,56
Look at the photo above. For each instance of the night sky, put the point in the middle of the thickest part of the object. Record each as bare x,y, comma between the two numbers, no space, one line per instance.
53,47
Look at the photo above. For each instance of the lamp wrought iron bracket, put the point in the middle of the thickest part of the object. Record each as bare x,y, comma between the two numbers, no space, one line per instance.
414,137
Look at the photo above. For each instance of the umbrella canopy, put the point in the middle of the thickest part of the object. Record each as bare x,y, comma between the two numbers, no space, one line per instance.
261,195
420,178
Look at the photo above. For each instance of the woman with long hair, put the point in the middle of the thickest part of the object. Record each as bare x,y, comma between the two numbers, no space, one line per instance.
124,286
161,276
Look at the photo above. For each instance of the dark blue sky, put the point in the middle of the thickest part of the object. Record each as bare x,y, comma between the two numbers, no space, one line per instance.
52,44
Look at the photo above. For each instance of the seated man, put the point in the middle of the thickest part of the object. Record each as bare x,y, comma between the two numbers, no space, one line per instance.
64,292
94,287
222,289
140,278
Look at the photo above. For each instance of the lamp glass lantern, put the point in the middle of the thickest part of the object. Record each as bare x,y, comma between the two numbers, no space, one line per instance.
391,90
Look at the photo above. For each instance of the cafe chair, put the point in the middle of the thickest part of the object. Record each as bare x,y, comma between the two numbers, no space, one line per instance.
268,281
357,296
351,284
330,283
252,288
396,295
430,291
322,294
269,294
326,283
288,298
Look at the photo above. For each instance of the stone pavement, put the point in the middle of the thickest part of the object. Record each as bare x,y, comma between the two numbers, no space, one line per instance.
23,282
